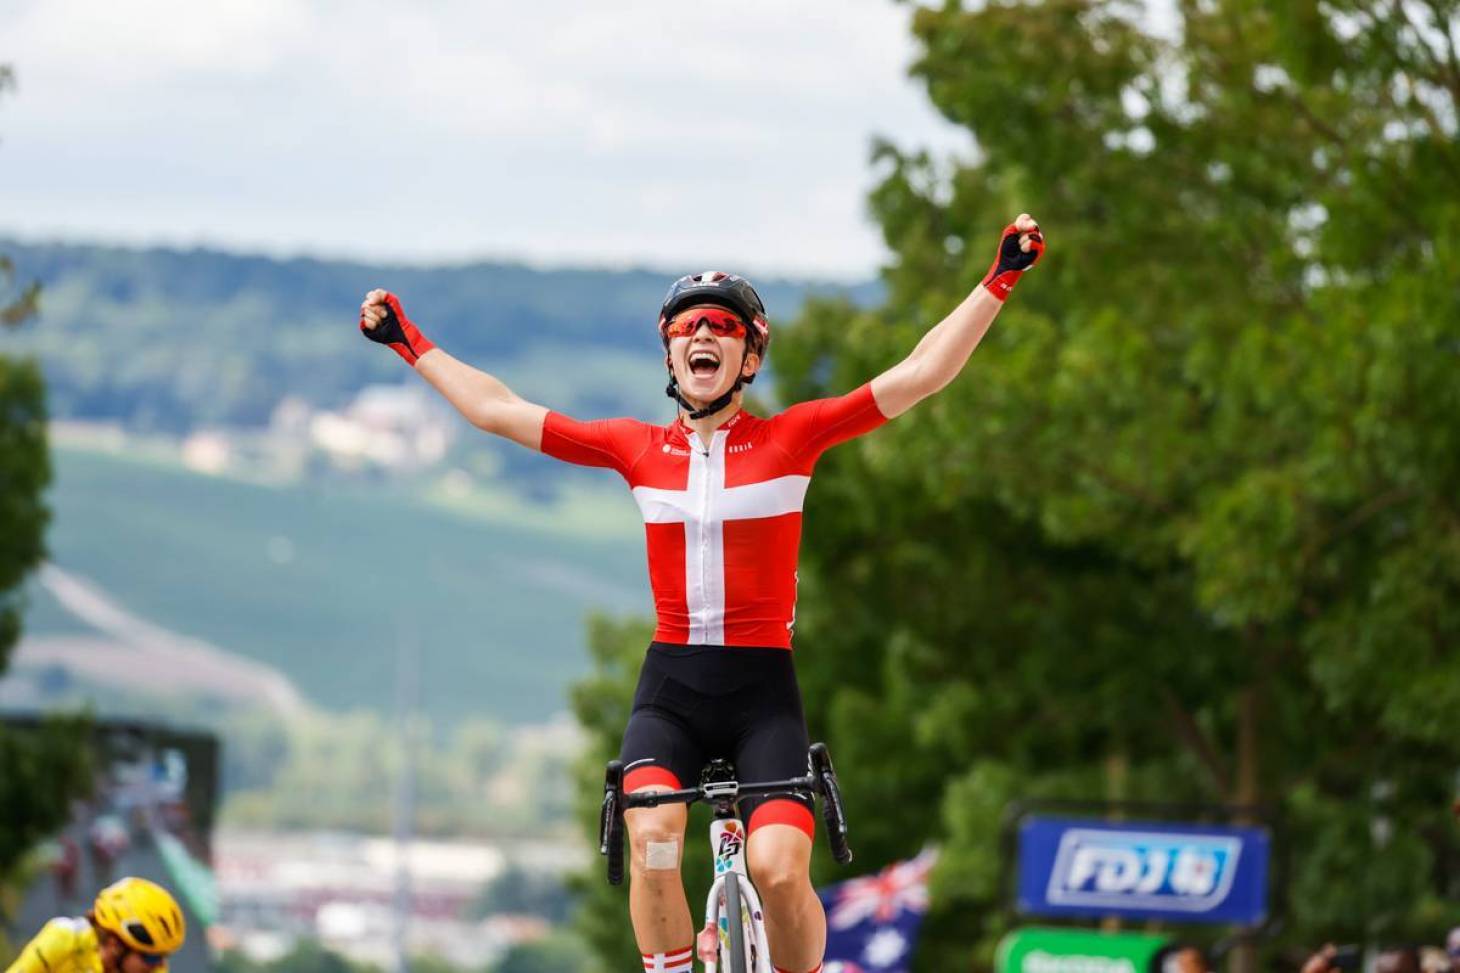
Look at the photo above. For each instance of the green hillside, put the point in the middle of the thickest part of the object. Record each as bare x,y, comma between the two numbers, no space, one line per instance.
317,581
168,340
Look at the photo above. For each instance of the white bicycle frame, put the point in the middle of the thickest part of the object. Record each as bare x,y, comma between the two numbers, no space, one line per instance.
727,844
727,848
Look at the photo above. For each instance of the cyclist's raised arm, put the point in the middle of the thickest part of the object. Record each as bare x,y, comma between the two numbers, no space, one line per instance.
482,399
944,350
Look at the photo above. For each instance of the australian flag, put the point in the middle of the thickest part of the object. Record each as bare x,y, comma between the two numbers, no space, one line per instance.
872,922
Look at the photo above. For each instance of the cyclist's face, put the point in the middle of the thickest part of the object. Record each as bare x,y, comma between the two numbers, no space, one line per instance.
117,958
706,364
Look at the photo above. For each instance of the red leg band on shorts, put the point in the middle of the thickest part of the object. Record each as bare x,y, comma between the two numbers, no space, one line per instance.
782,811
814,969
651,776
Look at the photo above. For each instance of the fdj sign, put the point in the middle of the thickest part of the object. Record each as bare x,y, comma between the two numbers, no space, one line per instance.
1185,873
1189,872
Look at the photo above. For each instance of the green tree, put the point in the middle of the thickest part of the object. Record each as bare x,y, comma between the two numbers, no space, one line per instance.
522,891
25,468
307,956
1187,528
556,953
41,767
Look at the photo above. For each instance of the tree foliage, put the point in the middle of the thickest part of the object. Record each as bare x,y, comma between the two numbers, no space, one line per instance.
41,768
307,956
1187,528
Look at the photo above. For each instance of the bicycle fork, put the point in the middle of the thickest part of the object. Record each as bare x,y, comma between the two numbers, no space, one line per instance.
727,845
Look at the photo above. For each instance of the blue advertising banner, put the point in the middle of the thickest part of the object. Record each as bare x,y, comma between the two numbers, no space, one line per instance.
1179,872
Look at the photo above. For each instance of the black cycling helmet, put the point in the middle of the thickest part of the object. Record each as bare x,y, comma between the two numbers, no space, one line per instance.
723,290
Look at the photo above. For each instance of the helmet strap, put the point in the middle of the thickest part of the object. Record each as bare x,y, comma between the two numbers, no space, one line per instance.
672,390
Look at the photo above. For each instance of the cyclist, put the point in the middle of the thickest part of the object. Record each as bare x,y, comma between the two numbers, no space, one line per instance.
721,495
133,927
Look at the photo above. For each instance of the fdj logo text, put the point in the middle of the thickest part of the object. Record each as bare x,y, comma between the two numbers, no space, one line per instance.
1169,871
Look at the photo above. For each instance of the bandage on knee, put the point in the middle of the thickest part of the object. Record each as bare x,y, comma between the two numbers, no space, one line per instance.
662,855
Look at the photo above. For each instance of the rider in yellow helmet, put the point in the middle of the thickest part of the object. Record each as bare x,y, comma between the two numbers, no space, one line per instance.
133,928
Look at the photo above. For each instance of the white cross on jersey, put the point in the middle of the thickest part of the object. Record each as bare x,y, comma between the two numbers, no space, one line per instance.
703,506
722,558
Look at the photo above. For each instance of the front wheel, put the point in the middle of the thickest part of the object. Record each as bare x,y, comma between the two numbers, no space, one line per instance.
733,939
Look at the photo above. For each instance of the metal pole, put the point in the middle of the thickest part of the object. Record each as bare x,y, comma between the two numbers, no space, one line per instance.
404,806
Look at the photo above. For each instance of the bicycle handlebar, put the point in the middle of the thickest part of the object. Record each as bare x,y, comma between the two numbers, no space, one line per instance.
820,780
730,790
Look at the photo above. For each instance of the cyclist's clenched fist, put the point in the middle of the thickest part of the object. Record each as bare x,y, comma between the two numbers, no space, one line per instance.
382,320
1020,247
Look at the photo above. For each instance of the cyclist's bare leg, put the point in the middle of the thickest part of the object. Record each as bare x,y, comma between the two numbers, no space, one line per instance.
779,856
657,905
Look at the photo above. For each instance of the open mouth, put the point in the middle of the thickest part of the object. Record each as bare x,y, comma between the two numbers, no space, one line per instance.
703,363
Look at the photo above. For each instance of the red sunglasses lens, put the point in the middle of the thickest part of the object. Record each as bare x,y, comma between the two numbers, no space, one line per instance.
726,324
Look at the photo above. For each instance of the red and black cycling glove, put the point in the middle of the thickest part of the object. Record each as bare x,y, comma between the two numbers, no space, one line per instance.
1011,261
398,332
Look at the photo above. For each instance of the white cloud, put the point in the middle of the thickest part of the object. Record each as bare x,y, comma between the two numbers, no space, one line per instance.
638,131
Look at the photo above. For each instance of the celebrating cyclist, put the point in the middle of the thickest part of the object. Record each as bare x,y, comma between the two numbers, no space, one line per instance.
134,926
721,493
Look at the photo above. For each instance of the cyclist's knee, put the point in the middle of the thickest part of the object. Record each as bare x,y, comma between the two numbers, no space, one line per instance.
656,842
776,874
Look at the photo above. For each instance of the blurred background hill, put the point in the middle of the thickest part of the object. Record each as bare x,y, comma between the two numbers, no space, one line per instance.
172,341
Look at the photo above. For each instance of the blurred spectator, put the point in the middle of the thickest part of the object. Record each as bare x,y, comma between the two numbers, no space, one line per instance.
1432,959
1391,959
1398,959
66,868
1334,959
1180,958
107,840
1321,961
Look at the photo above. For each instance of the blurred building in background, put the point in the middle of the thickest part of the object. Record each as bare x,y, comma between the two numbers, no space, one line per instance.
277,889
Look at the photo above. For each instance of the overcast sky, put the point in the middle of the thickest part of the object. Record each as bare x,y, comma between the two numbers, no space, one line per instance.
731,134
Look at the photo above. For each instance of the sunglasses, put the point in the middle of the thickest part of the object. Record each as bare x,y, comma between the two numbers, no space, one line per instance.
148,959
722,322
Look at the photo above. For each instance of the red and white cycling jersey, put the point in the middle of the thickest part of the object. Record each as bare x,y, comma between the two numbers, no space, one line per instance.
722,520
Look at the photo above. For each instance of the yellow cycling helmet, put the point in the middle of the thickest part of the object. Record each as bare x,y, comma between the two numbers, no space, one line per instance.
143,914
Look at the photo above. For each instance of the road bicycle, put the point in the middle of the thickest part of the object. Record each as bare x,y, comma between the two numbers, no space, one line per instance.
732,910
